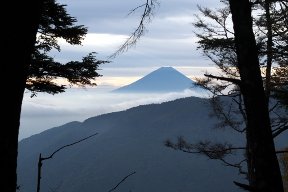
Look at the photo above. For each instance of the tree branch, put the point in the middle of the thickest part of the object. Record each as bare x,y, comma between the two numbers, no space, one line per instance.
235,81
279,152
139,31
244,186
215,151
279,131
121,181
49,157
41,159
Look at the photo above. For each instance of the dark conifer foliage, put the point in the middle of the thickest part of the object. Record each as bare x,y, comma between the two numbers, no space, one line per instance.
42,23
55,24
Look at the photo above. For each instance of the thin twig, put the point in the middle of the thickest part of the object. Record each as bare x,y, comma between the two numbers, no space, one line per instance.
148,11
41,159
49,157
121,181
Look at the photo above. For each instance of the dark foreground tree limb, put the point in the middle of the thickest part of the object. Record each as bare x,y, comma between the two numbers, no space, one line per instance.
41,159
232,80
121,181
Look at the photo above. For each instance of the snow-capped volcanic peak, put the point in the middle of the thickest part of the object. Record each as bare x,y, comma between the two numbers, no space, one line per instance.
164,79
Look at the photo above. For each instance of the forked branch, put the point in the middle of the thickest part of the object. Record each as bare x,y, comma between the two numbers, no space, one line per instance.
41,159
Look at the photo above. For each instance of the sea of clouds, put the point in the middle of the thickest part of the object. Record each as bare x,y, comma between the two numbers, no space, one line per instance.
46,111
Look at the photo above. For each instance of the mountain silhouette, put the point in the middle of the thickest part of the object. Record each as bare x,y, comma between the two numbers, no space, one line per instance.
164,79
133,141
130,141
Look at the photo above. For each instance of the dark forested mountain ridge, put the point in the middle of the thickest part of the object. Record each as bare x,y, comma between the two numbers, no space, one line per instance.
130,141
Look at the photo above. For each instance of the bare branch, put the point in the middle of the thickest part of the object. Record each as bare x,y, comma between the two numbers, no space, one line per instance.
41,159
235,81
226,118
244,186
49,157
138,7
279,152
146,16
121,181
241,109
273,107
279,131
235,165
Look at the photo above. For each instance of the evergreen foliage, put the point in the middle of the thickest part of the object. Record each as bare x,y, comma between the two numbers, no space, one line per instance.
44,72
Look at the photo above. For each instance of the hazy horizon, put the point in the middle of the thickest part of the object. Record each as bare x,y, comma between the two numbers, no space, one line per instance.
47,111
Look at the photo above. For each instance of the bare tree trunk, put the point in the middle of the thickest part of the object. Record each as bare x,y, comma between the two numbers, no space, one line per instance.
19,34
269,47
264,167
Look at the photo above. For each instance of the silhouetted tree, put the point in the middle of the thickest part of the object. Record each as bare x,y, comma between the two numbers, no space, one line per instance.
55,23
262,162
284,165
240,55
31,31
21,25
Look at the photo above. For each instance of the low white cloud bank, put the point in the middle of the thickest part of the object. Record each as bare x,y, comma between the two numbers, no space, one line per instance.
46,111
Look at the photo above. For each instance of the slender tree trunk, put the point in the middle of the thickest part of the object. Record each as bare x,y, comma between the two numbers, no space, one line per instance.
261,150
39,173
269,46
19,28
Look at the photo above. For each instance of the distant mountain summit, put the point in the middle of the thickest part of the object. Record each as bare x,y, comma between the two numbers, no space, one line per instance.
164,79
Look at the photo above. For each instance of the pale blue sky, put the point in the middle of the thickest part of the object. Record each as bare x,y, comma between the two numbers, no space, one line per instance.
169,41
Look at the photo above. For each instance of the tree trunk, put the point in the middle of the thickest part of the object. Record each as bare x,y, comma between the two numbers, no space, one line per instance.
265,171
269,47
19,33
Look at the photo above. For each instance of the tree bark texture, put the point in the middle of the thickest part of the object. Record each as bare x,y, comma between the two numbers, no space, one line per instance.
264,172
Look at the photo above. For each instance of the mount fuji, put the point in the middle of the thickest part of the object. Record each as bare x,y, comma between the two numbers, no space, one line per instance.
162,80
